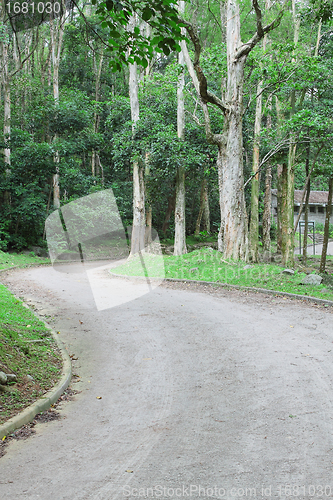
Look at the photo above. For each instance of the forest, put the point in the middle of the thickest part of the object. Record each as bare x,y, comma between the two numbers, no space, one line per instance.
191,112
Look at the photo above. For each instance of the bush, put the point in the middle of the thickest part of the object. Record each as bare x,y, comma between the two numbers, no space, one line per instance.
319,228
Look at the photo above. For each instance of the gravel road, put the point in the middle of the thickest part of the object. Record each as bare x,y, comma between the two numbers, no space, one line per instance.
205,393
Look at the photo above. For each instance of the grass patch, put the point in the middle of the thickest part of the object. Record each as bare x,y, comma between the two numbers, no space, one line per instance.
207,264
28,350
9,260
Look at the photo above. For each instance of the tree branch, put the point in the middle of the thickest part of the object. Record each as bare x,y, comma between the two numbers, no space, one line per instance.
27,57
246,48
267,157
205,94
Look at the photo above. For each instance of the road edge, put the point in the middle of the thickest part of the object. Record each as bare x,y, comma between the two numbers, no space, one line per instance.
43,403
268,291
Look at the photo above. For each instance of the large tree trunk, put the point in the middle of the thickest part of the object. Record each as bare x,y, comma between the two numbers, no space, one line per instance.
233,234
180,235
139,217
327,226
233,238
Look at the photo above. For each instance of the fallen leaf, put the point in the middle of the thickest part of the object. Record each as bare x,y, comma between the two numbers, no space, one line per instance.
98,397
4,438
146,359
28,326
129,470
58,332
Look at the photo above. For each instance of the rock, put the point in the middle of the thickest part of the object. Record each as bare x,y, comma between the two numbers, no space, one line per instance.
194,269
288,271
325,290
312,279
3,378
11,377
248,266
30,378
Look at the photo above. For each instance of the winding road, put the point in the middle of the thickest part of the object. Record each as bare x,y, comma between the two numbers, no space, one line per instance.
206,393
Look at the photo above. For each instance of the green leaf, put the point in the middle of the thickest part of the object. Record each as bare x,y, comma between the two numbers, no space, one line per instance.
147,13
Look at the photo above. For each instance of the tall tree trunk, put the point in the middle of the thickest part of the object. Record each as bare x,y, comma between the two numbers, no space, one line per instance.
327,226
233,237
306,208
180,235
203,210
233,234
7,108
254,219
288,227
206,211
56,35
139,217
306,223
170,209
267,214
149,208
98,72
283,217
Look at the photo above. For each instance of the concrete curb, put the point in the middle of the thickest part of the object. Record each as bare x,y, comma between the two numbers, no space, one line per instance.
258,290
42,404
237,287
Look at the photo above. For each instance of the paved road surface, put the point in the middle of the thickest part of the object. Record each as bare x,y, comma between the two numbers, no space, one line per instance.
318,249
229,392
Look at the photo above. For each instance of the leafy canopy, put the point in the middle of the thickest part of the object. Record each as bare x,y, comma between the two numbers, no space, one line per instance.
138,45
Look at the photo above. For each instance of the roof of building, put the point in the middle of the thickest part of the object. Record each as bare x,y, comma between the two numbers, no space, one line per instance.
316,197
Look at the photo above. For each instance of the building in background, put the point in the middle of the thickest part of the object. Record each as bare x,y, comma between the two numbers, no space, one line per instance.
317,205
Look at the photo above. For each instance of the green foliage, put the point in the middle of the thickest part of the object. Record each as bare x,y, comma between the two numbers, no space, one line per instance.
161,15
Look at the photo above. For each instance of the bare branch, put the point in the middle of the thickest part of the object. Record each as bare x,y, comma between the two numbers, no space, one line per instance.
284,142
195,118
205,94
246,48
27,57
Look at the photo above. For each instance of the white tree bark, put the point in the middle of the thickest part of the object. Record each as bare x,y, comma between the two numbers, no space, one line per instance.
56,36
139,216
98,71
233,235
180,235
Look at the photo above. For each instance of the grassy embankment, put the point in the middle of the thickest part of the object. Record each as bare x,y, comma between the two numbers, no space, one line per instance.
27,348
207,264
10,260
